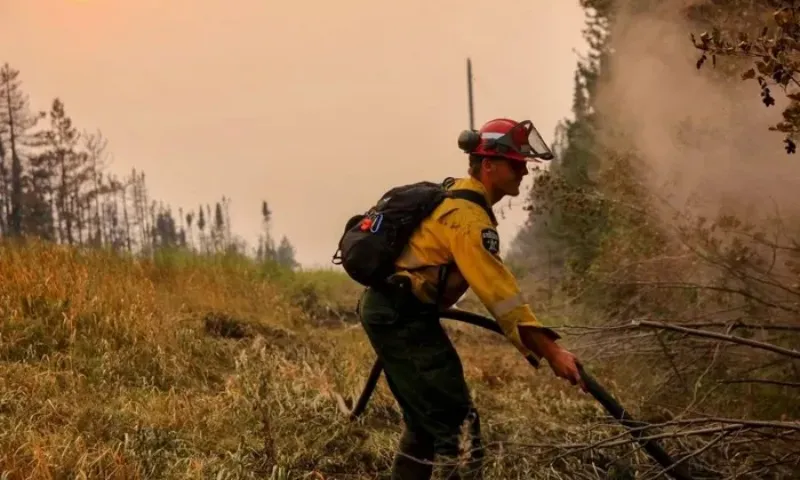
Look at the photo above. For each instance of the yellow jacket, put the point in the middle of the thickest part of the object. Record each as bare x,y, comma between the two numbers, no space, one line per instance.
460,232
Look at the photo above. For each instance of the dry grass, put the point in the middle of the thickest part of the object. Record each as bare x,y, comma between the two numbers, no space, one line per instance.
185,367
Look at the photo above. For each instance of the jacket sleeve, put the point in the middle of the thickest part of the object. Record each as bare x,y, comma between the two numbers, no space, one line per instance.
475,246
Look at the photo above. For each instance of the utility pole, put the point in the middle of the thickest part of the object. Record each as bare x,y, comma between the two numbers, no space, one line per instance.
469,93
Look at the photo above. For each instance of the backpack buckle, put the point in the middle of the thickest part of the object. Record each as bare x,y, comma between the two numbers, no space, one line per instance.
376,223
371,222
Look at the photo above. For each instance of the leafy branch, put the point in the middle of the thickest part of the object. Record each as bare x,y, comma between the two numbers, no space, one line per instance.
776,61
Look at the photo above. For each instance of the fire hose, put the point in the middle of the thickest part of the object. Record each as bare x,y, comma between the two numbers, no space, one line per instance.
674,469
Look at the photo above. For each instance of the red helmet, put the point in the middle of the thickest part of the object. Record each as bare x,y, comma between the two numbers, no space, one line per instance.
506,138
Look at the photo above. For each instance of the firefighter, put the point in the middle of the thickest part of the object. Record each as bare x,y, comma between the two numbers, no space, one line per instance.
457,247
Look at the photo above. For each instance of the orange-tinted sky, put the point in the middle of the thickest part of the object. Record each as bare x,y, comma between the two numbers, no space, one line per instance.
285,101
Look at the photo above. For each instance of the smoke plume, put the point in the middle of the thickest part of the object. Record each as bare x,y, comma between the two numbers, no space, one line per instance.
701,139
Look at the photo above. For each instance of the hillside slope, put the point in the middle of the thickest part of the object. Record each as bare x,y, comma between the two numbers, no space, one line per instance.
188,367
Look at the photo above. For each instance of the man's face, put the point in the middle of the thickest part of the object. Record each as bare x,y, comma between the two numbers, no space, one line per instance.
506,175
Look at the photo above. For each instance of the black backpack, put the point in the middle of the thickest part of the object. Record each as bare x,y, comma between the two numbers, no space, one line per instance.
372,242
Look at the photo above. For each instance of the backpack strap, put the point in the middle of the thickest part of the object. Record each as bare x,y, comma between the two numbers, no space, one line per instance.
475,197
471,195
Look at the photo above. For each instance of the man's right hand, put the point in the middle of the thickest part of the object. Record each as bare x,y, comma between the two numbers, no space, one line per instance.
565,365
562,361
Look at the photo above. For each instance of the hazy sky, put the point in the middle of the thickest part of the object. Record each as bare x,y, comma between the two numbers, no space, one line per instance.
284,101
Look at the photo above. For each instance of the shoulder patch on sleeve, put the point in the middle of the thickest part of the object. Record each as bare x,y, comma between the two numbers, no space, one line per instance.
490,240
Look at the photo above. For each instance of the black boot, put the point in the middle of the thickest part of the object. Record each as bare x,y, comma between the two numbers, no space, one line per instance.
473,470
462,465
413,447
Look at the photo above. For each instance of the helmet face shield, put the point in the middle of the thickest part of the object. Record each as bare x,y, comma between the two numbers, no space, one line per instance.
535,146
524,140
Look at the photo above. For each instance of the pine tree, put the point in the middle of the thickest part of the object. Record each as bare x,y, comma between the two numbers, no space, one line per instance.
566,216
285,254
266,243
16,122
62,139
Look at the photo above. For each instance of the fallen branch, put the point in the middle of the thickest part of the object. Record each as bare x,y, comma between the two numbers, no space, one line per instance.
747,326
764,381
792,426
718,336
693,454
734,325
693,286
616,440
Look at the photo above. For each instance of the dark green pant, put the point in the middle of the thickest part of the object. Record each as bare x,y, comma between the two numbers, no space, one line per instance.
424,373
